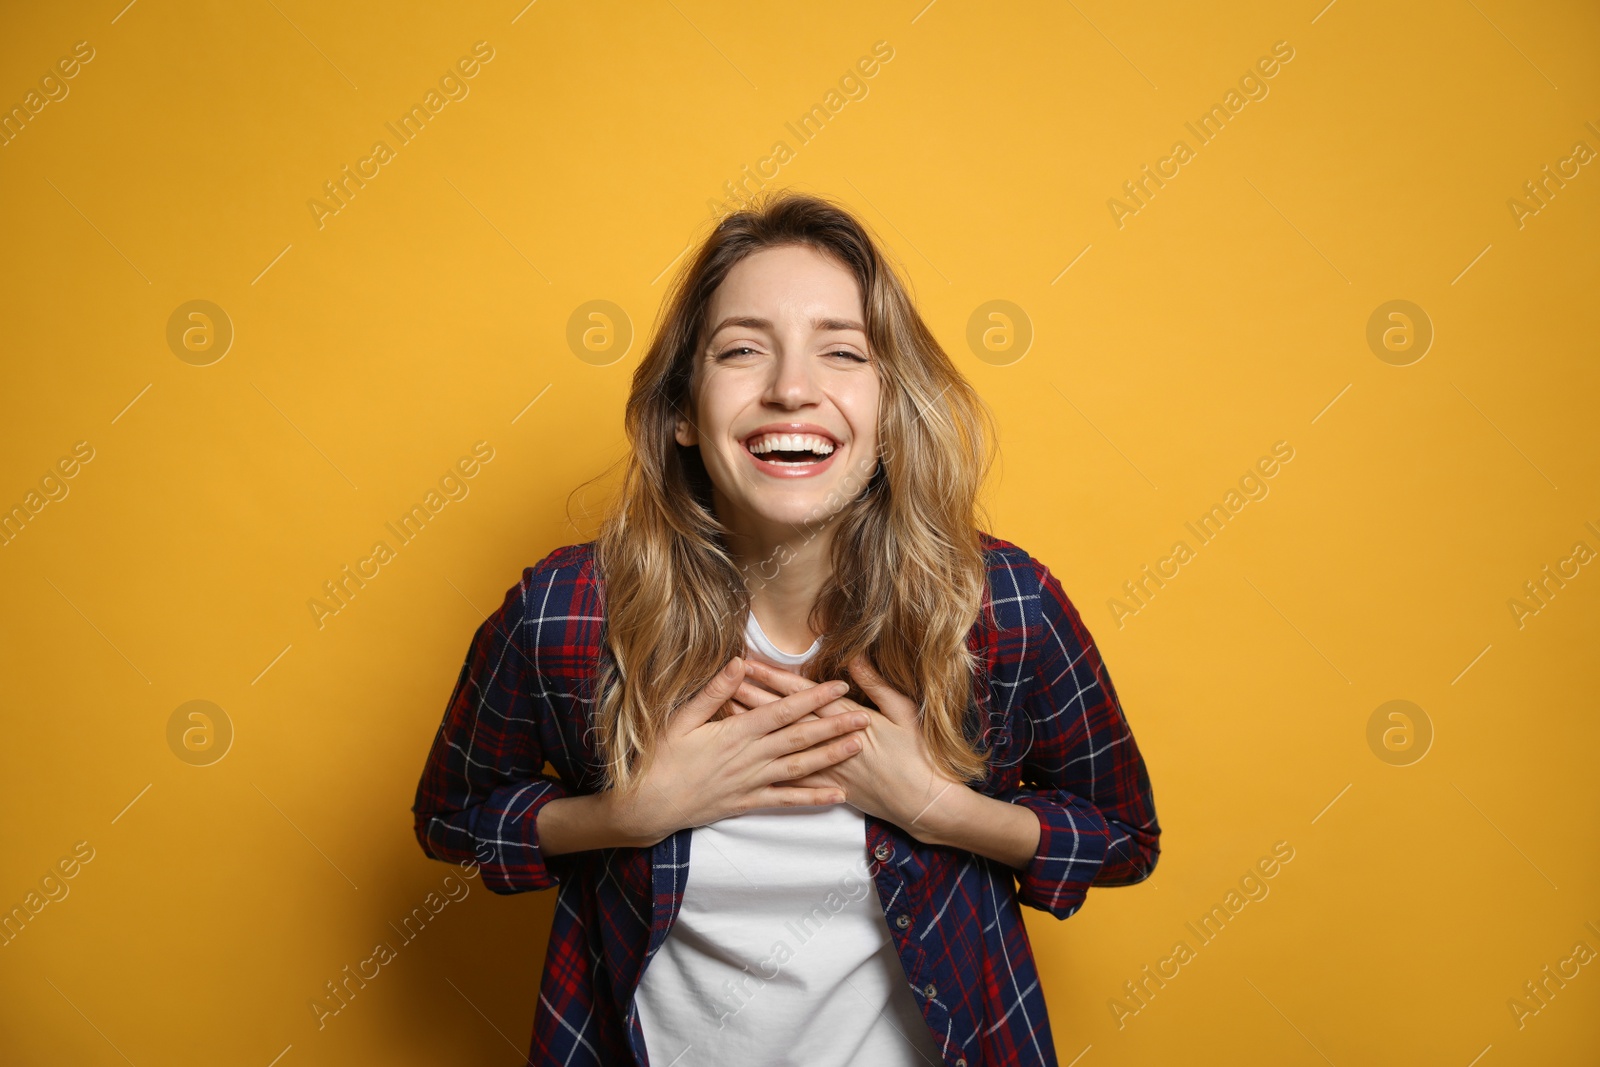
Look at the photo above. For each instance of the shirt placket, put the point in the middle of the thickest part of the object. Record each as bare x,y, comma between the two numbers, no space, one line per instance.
884,851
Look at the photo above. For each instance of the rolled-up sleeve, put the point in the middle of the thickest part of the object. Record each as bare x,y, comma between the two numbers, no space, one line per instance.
1082,772
483,784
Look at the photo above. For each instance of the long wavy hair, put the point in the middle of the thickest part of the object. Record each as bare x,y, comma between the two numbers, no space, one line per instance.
909,578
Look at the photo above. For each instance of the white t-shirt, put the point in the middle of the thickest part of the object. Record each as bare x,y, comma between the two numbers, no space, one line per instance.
780,953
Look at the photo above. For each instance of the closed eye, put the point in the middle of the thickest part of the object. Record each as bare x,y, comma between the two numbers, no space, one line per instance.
743,349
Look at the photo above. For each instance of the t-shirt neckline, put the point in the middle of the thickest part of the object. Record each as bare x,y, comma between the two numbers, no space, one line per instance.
759,641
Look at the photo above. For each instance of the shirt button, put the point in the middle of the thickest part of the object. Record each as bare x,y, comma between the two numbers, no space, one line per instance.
961,1062
929,990
902,921
883,852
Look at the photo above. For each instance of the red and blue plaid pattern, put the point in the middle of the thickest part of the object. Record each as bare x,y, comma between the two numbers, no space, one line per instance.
1046,706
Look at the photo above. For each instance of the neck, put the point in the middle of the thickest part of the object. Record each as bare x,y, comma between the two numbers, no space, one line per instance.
785,571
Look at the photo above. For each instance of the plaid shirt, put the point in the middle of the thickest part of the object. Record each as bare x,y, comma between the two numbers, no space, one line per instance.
1061,748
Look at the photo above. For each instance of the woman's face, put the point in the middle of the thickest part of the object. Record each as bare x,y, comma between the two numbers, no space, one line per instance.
784,370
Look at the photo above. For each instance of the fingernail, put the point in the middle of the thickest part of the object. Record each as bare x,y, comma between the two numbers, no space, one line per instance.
841,688
732,668
858,720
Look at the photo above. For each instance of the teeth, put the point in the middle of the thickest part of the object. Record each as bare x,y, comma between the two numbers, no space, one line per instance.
790,442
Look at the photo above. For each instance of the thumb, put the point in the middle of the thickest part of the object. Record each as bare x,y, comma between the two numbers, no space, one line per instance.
706,702
888,700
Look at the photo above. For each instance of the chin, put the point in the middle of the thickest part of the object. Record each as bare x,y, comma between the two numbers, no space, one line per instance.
808,511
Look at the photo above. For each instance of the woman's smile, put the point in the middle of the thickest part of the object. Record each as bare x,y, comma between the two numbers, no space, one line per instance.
792,450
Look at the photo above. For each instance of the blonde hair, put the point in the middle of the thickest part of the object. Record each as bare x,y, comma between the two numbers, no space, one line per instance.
909,575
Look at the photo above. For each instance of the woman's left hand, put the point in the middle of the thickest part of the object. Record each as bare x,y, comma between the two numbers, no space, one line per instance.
892,776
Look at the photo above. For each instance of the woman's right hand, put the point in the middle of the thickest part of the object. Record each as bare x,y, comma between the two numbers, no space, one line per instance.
707,770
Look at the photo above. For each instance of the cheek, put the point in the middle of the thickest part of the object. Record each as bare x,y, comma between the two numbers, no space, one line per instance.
723,397
862,408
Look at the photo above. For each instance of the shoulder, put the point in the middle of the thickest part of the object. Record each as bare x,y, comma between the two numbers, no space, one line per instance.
1017,583
556,605
565,582
1033,615
569,565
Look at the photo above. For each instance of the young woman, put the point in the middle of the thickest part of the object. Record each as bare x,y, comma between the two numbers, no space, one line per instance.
815,735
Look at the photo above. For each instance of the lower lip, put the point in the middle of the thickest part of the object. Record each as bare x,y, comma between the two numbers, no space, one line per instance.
786,470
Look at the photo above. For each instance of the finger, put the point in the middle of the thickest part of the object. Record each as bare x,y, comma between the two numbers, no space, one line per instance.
899,708
787,682
777,679
759,697
704,704
776,796
754,696
800,764
780,713
820,780
810,732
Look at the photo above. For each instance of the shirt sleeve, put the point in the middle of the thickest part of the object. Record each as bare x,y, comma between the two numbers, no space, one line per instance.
1081,769
483,785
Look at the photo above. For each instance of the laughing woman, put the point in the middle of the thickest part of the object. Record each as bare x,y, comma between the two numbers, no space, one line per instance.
816,736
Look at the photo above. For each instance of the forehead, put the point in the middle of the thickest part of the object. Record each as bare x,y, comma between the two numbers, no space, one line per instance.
794,282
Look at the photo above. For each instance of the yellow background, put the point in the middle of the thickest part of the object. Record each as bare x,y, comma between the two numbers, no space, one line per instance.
371,353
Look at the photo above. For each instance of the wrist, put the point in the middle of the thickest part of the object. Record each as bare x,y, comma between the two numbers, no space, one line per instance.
934,818
964,818
622,817
587,821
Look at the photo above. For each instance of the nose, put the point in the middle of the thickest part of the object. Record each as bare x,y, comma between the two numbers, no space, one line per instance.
793,381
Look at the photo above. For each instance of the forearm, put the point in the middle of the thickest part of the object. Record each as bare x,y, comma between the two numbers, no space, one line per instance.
964,818
579,823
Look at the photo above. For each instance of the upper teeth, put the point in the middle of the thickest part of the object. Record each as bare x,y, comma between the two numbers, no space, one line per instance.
790,442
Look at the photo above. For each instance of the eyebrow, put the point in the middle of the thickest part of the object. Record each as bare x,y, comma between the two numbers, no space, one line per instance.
756,323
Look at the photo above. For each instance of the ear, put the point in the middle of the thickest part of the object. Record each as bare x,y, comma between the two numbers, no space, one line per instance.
684,433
